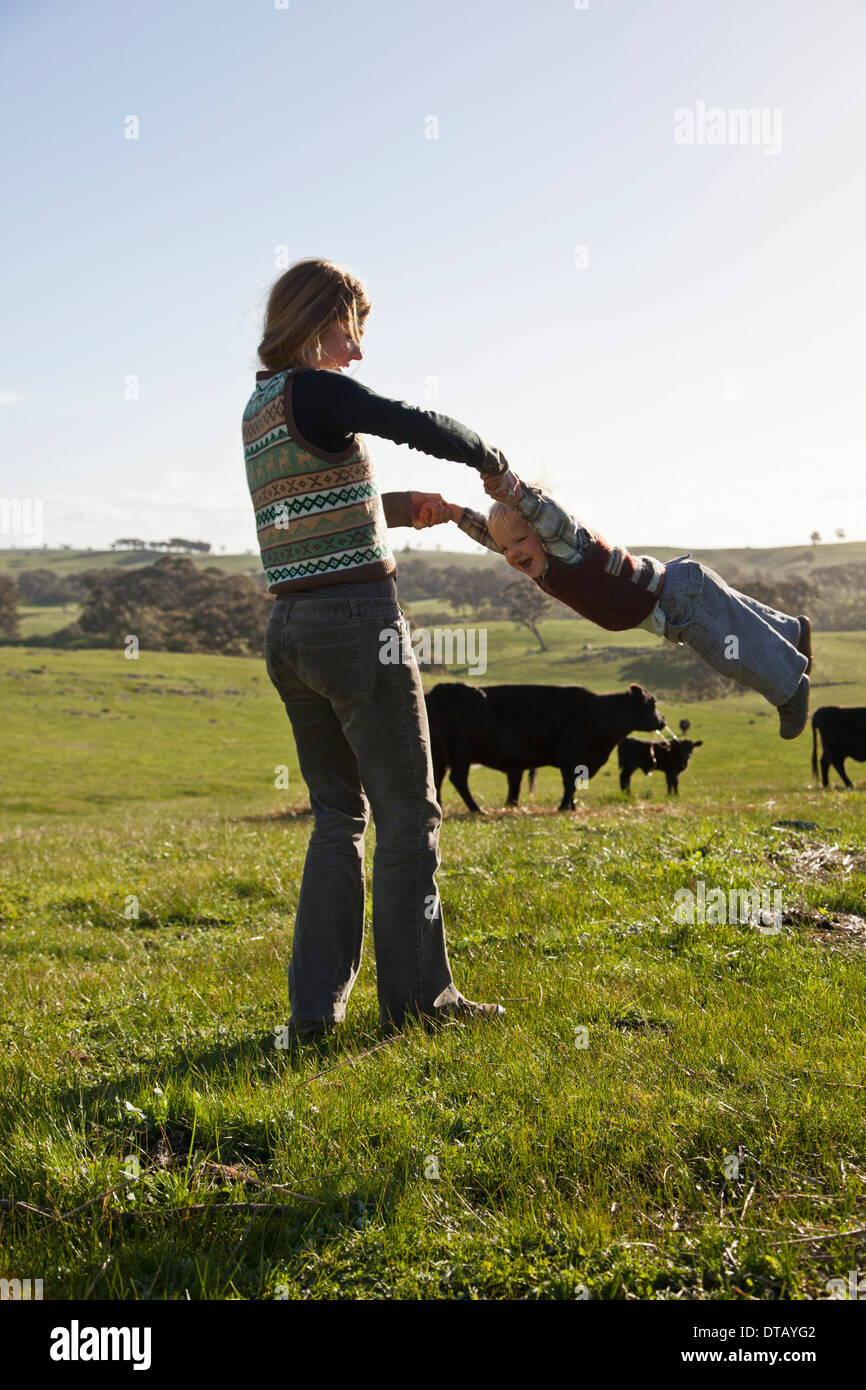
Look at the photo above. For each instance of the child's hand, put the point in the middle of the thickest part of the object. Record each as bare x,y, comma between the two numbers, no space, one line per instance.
428,509
504,487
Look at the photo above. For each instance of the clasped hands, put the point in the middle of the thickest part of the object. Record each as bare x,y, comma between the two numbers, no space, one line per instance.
431,509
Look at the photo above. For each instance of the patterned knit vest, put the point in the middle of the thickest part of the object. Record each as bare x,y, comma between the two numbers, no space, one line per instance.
319,514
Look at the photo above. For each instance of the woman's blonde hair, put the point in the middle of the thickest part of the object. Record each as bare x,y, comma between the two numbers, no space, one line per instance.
306,300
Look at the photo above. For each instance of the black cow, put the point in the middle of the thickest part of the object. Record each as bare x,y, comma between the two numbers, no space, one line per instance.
514,727
633,754
843,735
670,757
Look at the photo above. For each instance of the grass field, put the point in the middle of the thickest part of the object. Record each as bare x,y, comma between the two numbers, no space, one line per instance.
38,620
668,1110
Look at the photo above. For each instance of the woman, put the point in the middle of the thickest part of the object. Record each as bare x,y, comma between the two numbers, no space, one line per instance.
360,723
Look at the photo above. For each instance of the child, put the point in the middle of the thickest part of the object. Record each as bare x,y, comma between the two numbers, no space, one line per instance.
683,600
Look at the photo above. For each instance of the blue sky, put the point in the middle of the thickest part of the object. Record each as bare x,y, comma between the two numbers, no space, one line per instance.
694,377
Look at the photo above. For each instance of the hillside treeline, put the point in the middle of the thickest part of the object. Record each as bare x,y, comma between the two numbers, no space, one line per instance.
176,545
176,605
46,588
469,591
834,596
173,605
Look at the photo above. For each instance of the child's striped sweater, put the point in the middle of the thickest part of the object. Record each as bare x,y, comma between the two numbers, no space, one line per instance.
602,582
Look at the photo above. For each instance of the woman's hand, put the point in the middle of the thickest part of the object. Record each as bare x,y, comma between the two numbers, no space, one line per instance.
428,509
504,487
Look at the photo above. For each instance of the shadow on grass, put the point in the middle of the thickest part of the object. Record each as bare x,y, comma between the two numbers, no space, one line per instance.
258,1057
265,1226
608,802
268,817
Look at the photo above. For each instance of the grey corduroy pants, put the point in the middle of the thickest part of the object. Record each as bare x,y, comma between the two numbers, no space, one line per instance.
360,727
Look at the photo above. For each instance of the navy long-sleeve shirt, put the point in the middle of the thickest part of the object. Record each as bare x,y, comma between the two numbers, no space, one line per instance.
329,408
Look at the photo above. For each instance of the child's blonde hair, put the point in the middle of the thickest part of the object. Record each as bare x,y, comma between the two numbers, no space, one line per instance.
302,304
502,517
499,518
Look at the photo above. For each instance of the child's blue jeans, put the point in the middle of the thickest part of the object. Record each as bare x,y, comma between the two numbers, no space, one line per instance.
736,635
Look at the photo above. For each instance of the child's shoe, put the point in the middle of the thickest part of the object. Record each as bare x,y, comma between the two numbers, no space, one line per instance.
794,714
804,641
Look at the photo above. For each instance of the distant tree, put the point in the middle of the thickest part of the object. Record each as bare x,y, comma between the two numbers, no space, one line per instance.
815,537
840,533
788,595
173,605
44,586
525,604
8,608
189,547
839,601
467,589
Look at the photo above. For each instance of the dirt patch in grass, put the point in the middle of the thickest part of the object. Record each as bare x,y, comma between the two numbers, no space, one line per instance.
817,859
820,859
829,926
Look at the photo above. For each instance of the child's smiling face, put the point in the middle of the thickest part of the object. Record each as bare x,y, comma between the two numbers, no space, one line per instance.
520,545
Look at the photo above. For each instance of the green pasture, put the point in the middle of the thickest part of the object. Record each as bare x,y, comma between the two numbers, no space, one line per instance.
39,620
669,1110
91,732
